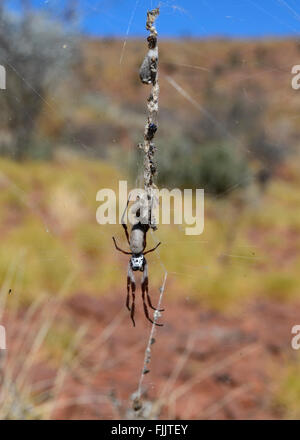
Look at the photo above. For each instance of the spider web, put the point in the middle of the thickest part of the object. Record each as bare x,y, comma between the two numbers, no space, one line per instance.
121,22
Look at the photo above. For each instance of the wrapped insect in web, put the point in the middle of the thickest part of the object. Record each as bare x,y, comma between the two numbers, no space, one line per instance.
148,69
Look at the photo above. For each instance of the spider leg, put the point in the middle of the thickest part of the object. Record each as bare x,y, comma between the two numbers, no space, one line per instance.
123,215
119,249
145,291
146,311
145,287
126,232
153,249
131,284
128,293
133,303
123,223
145,229
149,300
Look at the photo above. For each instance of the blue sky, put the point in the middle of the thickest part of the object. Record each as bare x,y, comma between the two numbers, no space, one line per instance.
194,18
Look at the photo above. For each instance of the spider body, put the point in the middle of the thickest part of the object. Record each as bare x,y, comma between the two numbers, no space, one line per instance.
137,239
137,262
137,244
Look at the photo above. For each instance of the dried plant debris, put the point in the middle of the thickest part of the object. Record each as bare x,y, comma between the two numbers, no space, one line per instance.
149,75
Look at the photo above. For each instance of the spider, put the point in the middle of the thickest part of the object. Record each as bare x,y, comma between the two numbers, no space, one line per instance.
137,244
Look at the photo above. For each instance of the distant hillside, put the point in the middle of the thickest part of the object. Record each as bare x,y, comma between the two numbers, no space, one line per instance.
240,87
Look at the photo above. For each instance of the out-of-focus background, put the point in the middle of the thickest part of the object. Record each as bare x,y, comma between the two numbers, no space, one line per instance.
72,115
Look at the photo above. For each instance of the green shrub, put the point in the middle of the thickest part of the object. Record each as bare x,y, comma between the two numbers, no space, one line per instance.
221,169
217,168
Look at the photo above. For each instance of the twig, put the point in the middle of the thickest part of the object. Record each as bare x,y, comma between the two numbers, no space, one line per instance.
137,404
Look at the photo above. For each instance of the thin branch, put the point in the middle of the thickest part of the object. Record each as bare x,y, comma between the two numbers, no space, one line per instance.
137,405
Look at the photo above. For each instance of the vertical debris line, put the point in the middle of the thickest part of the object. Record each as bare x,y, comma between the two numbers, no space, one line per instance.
149,75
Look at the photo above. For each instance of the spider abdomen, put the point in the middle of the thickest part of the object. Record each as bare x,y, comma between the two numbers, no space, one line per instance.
137,237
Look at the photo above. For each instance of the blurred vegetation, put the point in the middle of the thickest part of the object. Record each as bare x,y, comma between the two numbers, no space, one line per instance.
49,228
287,392
239,97
37,50
70,101
217,168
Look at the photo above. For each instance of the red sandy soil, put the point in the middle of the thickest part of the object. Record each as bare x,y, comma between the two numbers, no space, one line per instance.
210,365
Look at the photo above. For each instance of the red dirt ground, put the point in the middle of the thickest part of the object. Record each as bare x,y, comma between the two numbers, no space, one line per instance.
204,364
